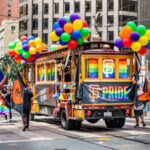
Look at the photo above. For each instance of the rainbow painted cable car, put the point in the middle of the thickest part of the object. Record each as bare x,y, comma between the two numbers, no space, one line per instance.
91,82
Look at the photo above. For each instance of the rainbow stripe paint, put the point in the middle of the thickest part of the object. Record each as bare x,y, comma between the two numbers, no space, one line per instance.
4,110
38,73
48,73
43,73
93,68
123,69
53,72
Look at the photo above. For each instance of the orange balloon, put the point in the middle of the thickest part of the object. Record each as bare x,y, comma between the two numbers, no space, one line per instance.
121,34
85,38
31,43
68,27
17,60
126,32
39,48
43,46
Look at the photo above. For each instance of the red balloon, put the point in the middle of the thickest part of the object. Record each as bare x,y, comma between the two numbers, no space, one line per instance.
142,51
11,52
72,44
127,42
29,59
84,23
17,57
17,61
23,38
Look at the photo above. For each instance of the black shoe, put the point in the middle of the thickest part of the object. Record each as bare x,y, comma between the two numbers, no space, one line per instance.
25,127
143,123
136,126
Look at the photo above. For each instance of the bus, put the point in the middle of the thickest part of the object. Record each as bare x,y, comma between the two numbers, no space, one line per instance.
90,82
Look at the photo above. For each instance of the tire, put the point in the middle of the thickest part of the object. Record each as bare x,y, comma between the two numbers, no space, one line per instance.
66,124
109,123
77,124
93,120
115,123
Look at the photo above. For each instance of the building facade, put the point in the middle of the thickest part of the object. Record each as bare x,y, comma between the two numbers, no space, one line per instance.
9,9
38,16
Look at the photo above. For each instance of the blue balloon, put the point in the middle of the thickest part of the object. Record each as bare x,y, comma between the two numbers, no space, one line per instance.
56,25
119,43
76,34
62,43
24,42
148,45
30,37
21,55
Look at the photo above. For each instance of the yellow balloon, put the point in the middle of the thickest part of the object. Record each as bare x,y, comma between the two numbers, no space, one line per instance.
16,50
38,41
58,46
148,34
54,37
136,46
32,50
77,24
143,40
18,44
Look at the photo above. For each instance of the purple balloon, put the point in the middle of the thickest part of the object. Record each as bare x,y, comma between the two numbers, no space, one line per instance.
135,36
59,31
74,17
119,43
62,21
37,55
25,47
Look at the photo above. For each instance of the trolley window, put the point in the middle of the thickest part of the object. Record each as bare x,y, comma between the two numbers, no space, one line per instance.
50,72
40,73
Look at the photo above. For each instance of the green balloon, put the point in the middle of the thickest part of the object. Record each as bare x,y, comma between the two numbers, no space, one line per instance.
84,32
68,19
53,47
80,41
26,54
20,50
16,41
132,25
11,46
141,30
65,37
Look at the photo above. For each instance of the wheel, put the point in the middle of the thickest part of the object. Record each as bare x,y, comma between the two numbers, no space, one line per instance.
109,123
32,116
77,124
93,120
115,123
66,124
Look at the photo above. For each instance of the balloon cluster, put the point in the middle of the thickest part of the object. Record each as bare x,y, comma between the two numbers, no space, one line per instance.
70,31
26,48
135,37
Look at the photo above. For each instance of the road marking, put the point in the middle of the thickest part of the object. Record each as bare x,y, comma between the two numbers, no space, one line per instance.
104,139
133,124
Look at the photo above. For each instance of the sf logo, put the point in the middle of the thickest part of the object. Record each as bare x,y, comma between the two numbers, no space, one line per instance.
17,93
94,89
108,65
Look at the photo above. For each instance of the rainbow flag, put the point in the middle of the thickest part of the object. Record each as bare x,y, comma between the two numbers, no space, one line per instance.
48,73
53,74
123,74
8,69
93,68
4,110
43,73
39,73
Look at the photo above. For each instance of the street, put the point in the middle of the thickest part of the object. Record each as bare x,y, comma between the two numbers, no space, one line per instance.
46,133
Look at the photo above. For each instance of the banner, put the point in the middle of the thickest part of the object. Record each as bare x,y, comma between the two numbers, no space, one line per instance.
114,92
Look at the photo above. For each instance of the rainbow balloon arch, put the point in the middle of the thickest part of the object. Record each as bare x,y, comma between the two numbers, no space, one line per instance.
135,37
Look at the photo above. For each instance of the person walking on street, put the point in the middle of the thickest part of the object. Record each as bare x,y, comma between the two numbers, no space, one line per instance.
27,106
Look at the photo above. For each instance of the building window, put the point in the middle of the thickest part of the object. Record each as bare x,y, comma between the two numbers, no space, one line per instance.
45,38
88,20
35,9
9,13
23,26
67,7
12,29
45,8
124,19
21,11
77,7
110,5
133,6
110,36
88,6
110,20
35,35
56,8
9,2
55,20
98,5
45,23
100,34
34,24
25,10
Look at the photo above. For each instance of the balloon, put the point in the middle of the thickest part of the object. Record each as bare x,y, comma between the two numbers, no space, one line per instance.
20,50
127,42
141,30
23,38
135,36
31,43
37,55
148,45
59,31
126,31
18,44
29,59
86,37
11,46
43,46
16,50
84,23
77,24
148,34
26,54
136,46
68,27
84,32
143,40
17,61
76,34
80,41
62,43
72,44
58,46
11,52
17,57
53,47
38,41
56,25
142,50
62,21
32,50
74,17
24,42
65,37
39,48
132,25
30,37
121,35
68,19
119,43
16,41
53,36
25,47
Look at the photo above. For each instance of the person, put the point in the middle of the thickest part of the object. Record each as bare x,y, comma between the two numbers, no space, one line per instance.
27,106
138,107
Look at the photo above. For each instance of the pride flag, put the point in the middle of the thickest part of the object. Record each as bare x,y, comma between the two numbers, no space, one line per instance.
8,69
93,68
4,110
123,69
